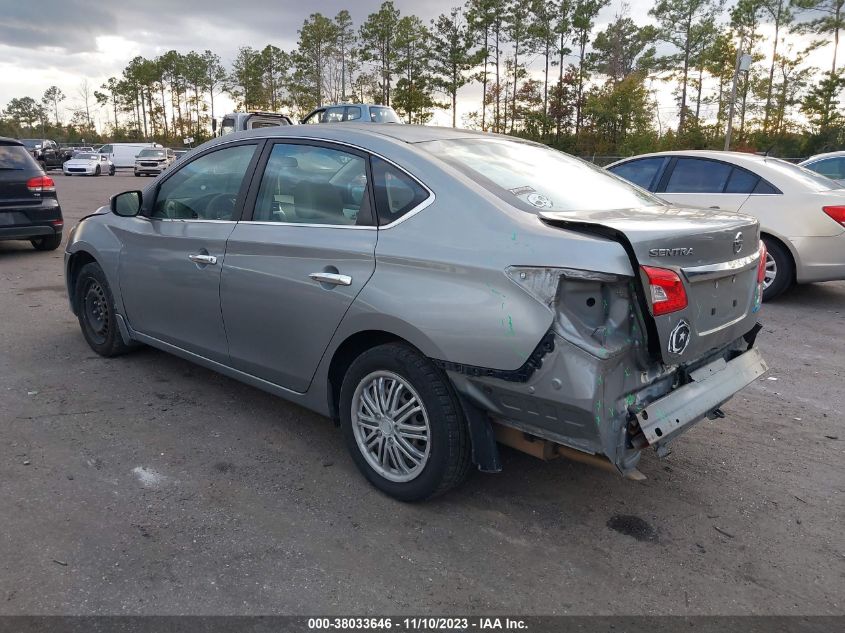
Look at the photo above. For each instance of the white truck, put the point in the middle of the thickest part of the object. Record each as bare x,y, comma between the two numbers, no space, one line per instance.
239,121
123,154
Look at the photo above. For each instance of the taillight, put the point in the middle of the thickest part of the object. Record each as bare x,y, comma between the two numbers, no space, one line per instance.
837,213
667,290
41,184
761,265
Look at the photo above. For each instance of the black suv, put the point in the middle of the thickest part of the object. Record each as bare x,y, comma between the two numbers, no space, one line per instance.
29,208
46,152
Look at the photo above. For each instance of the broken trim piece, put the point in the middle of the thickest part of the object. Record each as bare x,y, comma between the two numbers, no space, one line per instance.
522,374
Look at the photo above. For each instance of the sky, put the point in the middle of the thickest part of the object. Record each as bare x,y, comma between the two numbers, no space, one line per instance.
65,42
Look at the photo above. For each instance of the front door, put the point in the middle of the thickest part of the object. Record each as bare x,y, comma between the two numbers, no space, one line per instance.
295,263
171,257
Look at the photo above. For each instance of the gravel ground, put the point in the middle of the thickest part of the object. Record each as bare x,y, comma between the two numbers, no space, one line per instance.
145,484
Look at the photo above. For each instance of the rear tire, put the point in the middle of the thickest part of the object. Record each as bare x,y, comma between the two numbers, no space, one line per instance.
95,310
49,243
780,271
409,457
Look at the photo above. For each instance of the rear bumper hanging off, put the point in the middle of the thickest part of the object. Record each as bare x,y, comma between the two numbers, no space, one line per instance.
711,386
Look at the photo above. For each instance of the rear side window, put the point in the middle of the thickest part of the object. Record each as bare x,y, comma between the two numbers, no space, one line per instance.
15,157
353,113
395,191
642,172
695,175
764,187
741,181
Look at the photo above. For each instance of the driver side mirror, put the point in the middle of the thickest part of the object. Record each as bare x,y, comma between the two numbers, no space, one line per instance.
126,204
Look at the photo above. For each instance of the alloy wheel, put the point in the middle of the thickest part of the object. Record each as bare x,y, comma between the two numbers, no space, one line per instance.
391,426
771,271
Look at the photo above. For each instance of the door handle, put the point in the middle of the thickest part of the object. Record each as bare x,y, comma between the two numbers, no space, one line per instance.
332,278
203,259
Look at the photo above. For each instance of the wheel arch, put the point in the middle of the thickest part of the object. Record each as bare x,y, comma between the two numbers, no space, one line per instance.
787,245
75,263
345,353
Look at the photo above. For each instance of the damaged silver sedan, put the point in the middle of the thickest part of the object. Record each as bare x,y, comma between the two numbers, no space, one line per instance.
435,292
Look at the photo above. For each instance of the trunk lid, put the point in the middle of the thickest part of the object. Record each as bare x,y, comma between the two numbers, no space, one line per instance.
714,253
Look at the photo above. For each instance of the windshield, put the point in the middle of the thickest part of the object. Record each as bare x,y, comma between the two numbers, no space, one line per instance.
807,177
151,153
31,143
534,177
380,114
86,156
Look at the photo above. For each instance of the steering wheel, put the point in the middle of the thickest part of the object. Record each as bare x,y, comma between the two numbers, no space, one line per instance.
175,210
221,207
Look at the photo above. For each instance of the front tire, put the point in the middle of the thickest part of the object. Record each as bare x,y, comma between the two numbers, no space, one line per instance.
49,243
779,270
403,424
97,171
95,310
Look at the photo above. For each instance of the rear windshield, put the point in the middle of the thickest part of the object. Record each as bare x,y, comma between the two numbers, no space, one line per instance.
807,177
16,157
151,153
535,178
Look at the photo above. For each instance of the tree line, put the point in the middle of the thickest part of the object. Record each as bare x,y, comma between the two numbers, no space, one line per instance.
542,68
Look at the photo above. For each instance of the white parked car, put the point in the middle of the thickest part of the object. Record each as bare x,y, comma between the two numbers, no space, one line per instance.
801,213
88,164
831,164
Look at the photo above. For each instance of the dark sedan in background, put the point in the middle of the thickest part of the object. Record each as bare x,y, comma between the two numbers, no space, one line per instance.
29,208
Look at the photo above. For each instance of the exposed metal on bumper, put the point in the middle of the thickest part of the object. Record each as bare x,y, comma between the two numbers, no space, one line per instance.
711,386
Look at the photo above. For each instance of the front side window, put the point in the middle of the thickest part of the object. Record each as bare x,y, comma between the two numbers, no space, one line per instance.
537,178
206,188
696,175
228,126
830,167
333,115
642,172
306,184
396,192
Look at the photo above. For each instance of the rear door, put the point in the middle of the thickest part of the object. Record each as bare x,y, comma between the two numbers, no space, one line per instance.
296,261
706,183
172,256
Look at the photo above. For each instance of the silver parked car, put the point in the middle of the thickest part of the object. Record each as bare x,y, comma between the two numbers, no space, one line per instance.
352,112
151,161
433,291
830,164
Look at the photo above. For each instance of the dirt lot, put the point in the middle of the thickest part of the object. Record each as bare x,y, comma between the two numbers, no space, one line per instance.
145,484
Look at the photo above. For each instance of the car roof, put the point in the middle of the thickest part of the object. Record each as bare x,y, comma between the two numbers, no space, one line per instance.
824,155
359,133
5,140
